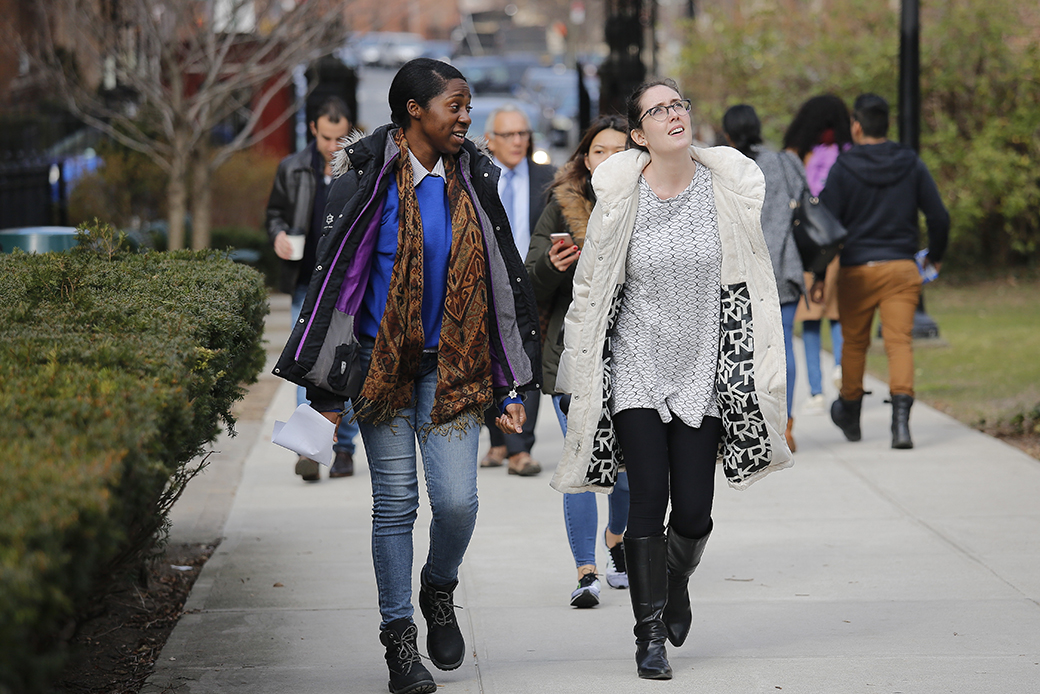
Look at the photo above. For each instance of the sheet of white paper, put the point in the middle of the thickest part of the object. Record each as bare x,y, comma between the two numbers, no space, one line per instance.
307,433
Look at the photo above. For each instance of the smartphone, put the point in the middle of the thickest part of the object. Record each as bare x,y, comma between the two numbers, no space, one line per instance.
567,239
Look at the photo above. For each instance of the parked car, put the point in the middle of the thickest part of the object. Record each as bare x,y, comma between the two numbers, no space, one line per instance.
495,75
385,48
556,91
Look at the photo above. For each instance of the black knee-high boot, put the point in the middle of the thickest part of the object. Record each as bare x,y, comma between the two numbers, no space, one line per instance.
684,554
648,587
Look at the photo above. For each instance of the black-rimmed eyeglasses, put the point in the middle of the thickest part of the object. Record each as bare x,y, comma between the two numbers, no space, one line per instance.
660,113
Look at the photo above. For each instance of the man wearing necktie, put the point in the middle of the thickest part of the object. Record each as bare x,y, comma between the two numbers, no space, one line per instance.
523,188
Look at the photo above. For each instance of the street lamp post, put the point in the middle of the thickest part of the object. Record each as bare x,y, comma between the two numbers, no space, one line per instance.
910,118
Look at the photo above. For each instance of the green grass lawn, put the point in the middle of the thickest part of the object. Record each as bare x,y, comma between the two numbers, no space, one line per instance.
988,374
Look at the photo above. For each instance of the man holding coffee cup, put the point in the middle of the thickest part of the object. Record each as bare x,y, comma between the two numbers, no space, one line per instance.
294,223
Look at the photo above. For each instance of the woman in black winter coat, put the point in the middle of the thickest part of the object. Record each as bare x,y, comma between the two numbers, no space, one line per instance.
419,310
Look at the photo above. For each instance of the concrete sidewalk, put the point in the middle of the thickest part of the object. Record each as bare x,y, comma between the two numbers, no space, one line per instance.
860,569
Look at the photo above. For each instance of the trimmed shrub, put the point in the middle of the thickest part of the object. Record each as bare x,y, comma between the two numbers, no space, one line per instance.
117,370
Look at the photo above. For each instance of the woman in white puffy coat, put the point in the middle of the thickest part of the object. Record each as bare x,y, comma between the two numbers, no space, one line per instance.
673,352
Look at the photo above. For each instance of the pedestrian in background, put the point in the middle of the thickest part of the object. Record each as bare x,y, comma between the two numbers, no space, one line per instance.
819,132
555,245
876,190
671,346
294,223
784,178
418,265
523,187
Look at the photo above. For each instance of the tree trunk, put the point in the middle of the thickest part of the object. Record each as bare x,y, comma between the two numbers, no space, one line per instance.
201,200
177,203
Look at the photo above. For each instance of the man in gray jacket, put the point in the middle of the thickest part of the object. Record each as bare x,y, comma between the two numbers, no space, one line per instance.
294,223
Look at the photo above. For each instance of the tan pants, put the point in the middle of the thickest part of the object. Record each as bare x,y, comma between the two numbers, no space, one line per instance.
894,288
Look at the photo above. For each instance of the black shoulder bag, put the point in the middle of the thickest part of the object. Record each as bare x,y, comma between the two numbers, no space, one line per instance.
818,234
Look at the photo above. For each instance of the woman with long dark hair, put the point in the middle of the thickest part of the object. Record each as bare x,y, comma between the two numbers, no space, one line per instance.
419,285
555,246
672,352
819,132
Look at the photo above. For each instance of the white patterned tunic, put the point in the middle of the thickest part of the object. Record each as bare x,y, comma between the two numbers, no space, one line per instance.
666,344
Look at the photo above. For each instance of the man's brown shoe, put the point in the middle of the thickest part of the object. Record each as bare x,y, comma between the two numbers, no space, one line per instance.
343,465
523,465
308,469
495,457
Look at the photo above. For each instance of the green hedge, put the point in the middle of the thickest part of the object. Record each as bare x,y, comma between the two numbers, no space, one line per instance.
116,370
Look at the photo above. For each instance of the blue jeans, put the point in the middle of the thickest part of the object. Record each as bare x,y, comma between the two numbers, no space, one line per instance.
580,514
787,312
347,429
811,339
449,453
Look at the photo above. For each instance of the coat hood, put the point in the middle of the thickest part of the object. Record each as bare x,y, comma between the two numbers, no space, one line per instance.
880,166
617,177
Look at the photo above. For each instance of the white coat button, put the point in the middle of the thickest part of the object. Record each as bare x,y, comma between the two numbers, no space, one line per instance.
350,151
278,371
534,332
301,320
318,268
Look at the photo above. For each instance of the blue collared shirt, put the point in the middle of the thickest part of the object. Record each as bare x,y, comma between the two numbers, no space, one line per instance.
520,215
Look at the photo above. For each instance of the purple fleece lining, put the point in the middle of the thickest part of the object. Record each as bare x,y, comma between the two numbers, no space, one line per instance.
356,280
328,273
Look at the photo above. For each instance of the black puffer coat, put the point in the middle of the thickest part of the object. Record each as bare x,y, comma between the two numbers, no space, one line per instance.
352,217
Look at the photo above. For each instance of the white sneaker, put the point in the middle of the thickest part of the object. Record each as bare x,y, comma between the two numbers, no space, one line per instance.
815,405
587,592
837,377
617,569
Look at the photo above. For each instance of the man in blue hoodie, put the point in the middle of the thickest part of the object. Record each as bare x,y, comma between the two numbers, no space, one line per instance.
876,189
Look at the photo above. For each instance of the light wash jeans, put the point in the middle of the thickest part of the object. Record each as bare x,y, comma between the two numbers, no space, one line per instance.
787,312
449,454
347,430
580,514
811,340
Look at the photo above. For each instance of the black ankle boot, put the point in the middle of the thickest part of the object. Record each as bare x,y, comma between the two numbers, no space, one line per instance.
845,413
648,588
443,638
684,555
407,673
901,405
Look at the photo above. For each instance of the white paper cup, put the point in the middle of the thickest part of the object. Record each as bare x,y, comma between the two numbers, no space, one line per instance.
298,242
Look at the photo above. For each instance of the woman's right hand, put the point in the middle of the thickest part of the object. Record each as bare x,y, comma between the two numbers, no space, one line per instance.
562,257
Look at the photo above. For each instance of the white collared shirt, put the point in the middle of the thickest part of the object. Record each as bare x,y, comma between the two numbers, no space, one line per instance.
419,171
520,215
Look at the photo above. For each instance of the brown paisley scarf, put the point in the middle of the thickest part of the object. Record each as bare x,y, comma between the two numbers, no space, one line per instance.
463,360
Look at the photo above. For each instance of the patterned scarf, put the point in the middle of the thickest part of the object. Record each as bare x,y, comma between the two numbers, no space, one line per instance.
464,359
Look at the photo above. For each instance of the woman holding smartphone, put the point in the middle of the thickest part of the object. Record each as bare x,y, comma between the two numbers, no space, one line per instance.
555,246
673,352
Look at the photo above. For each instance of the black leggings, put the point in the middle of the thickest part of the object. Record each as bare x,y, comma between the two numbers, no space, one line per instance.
658,456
